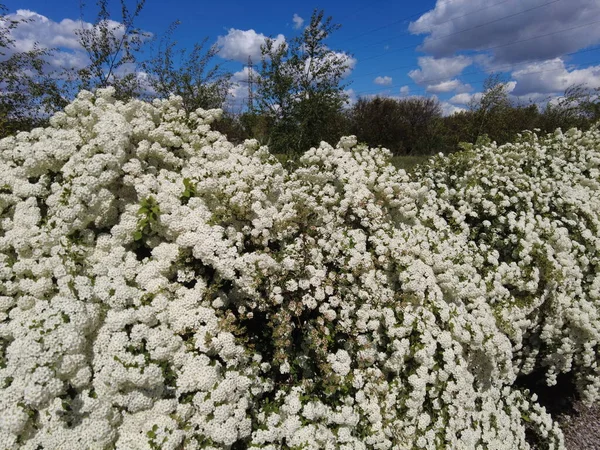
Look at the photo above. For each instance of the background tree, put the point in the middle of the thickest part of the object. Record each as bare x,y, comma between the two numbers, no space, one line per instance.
299,87
111,48
194,76
579,106
30,90
420,118
494,102
591,104
404,126
376,121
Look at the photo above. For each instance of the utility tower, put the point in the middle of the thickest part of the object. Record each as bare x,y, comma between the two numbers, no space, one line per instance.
250,84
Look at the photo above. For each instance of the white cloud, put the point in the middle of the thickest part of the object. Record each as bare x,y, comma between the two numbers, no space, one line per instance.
239,44
465,98
383,81
335,58
449,86
453,26
434,69
298,21
348,60
238,91
48,34
510,86
352,96
244,74
448,109
404,90
553,76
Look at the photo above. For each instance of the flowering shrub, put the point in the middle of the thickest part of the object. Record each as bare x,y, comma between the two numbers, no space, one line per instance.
161,288
532,211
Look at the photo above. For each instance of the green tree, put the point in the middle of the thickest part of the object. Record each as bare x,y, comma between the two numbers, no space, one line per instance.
111,48
493,103
300,87
406,126
579,106
420,119
591,105
30,92
193,76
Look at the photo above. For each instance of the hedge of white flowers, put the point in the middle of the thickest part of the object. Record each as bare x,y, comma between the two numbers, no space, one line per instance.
162,288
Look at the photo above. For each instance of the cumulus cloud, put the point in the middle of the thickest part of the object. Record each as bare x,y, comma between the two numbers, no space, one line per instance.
298,21
348,60
510,86
238,91
45,32
404,90
239,44
352,97
37,30
383,81
553,76
449,86
465,98
439,68
450,28
449,109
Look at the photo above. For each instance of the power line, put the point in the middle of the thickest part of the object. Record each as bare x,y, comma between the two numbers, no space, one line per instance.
369,5
250,84
437,24
466,29
394,22
485,49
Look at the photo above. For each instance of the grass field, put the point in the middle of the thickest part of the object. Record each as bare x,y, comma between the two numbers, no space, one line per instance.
408,163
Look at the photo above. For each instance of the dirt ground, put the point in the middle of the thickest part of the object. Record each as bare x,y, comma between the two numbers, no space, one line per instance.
582,427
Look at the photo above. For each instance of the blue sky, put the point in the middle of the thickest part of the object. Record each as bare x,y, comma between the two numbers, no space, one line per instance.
444,48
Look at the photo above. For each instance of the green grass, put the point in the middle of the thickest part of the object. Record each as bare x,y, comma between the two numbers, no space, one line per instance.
289,162
408,163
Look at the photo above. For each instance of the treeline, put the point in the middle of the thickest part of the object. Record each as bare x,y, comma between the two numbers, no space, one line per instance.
296,95
416,126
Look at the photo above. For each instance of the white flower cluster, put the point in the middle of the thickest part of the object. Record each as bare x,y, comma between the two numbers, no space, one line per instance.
532,211
161,288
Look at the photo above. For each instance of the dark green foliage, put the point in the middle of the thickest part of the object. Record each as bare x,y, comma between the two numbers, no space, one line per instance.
236,128
407,126
415,126
189,192
149,212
